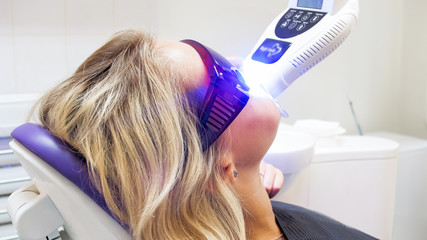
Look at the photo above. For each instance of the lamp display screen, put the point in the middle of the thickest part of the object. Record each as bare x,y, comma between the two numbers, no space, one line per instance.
317,4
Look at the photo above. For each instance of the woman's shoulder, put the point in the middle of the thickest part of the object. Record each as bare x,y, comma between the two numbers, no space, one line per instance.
301,223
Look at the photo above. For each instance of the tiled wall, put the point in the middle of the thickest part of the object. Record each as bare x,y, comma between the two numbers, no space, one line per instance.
43,41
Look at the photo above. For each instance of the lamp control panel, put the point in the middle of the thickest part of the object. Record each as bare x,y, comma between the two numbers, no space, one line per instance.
297,21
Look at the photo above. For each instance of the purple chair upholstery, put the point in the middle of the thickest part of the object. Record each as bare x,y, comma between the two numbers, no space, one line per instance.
60,156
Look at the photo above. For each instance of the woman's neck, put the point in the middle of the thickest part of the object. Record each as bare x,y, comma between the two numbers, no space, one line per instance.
259,216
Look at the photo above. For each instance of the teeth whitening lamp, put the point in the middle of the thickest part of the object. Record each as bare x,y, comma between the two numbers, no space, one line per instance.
298,39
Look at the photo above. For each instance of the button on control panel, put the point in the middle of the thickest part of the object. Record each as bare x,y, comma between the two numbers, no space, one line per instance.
297,21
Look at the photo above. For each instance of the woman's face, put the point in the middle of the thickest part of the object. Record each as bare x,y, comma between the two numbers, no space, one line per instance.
253,130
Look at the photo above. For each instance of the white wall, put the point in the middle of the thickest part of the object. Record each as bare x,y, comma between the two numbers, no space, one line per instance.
413,85
43,41
378,67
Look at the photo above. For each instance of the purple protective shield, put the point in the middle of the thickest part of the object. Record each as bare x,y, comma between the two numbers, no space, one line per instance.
225,97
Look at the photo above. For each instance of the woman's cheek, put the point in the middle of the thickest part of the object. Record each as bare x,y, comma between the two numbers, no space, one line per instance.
254,129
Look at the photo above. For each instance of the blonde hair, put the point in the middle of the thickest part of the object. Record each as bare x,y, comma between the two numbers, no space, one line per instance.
124,111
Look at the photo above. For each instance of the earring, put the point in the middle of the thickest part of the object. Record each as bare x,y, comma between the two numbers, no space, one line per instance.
235,173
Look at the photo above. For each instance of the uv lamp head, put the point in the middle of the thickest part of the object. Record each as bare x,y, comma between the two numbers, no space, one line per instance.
262,76
225,97
297,40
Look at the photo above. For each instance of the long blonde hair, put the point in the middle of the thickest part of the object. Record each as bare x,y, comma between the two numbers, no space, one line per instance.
124,111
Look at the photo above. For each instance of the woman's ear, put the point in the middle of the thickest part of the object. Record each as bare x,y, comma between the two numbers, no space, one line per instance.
230,171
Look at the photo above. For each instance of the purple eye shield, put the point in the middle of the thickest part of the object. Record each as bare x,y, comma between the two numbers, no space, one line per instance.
225,97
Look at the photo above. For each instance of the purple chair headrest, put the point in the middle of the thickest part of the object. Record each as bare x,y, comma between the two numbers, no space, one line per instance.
60,156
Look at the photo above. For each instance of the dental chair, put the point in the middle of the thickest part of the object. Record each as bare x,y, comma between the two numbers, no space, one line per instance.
60,202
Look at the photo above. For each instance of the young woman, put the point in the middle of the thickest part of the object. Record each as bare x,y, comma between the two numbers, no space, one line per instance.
174,141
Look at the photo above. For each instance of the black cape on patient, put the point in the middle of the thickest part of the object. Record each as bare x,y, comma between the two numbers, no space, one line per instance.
299,223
